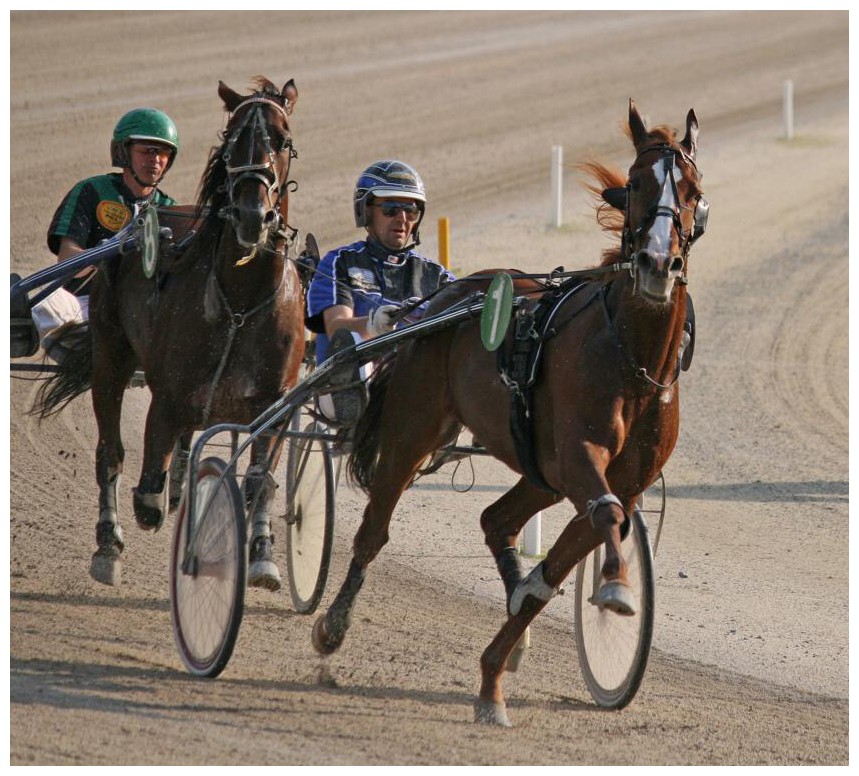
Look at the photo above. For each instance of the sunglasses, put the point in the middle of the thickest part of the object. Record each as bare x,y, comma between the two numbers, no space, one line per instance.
152,150
393,209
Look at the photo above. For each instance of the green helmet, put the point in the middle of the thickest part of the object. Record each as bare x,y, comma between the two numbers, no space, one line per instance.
142,124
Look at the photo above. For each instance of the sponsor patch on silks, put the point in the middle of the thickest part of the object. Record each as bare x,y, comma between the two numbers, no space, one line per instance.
363,279
112,215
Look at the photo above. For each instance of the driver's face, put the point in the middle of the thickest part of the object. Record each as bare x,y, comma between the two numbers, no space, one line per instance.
391,225
149,160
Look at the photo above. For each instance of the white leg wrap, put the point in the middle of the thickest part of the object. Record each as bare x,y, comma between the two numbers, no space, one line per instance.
534,585
608,498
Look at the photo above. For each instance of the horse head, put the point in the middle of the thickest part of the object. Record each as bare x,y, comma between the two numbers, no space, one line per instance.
664,210
256,155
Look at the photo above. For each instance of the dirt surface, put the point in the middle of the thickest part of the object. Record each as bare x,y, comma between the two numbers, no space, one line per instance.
750,660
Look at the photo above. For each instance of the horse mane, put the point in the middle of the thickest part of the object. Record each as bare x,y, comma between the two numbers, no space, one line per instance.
604,177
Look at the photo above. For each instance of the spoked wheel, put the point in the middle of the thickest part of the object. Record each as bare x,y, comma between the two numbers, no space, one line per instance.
310,486
613,648
208,571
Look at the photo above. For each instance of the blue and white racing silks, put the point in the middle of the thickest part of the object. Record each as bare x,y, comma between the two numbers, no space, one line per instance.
363,276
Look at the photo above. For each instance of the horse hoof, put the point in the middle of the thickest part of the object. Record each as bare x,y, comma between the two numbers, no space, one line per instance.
516,657
489,713
148,509
264,574
320,639
106,569
617,597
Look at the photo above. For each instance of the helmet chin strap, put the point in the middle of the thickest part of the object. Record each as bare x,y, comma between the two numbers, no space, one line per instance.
143,184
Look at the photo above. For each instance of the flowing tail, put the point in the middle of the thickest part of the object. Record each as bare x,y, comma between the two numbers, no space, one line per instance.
73,379
363,459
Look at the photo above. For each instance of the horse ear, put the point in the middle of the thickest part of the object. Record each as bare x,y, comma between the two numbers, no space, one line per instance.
290,95
231,99
690,142
636,125
616,197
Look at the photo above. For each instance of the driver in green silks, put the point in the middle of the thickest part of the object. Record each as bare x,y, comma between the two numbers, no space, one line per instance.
144,145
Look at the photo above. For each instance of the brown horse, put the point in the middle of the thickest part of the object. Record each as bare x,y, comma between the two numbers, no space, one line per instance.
605,402
218,330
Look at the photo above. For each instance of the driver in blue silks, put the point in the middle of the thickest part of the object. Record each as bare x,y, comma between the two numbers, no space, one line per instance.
358,288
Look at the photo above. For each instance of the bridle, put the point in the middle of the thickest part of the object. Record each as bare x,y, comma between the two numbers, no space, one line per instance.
668,193
266,172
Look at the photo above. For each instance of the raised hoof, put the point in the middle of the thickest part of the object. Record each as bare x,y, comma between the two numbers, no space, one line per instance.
516,657
264,574
148,510
320,640
617,597
489,713
106,568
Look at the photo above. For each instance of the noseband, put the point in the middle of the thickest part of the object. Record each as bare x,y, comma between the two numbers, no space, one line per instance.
265,172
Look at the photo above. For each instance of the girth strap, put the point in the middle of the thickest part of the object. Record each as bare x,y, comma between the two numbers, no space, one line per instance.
519,361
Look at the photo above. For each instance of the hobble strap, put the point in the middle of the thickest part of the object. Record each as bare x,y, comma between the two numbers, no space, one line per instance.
534,585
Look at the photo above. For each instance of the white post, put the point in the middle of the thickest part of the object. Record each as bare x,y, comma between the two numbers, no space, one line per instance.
787,91
531,538
557,184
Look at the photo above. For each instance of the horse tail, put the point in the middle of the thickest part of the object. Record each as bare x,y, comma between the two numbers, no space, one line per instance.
73,378
361,466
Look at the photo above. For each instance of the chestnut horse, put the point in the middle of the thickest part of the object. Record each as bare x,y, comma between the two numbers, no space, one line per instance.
218,331
605,403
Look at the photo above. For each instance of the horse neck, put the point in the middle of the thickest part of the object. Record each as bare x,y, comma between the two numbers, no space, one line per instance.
650,334
248,282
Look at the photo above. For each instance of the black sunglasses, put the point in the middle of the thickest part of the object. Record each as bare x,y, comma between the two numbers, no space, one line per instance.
392,209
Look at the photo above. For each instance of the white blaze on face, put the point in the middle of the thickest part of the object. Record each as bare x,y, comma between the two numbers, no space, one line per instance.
659,236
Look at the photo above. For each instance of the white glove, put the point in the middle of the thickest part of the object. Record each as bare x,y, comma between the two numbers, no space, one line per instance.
381,320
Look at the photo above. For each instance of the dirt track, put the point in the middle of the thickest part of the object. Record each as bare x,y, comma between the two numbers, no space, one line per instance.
750,662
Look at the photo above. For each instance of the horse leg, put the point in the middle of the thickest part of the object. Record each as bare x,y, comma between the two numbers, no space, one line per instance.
109,377
612,524
502,521
329,630
179,469
259,496
528,600
150,495
403,455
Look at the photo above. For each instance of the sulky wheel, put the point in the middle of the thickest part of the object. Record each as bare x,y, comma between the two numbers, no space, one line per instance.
612,648
208,571
310,487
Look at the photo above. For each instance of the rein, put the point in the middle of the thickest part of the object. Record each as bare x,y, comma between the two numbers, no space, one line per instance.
237,320
640,371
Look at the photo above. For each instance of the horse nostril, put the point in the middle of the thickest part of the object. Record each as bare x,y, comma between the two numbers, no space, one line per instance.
643,260
676,265
269,218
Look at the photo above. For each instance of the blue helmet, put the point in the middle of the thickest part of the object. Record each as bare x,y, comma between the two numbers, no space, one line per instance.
388,178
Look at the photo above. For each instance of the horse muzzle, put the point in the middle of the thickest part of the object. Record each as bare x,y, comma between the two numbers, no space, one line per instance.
252,209
656,275
252,225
